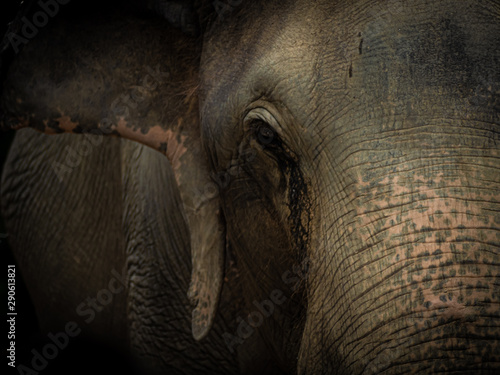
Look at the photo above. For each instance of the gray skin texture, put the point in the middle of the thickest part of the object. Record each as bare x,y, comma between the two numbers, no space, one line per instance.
356,150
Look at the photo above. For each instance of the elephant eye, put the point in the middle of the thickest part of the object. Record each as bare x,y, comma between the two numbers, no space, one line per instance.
265,134
263,127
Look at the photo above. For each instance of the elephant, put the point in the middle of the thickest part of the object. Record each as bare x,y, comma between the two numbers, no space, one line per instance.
294,187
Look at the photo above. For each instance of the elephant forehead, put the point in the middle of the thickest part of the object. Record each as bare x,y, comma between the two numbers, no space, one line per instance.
342,63
250,57
263,44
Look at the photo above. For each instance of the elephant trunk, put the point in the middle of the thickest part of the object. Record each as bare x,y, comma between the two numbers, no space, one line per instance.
415,283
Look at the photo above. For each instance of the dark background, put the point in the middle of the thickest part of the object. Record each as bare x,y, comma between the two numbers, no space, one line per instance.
27,331
82,355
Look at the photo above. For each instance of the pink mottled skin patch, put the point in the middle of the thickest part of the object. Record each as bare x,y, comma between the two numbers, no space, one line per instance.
439,234
154,138
419,264
451,309
157,137
66,123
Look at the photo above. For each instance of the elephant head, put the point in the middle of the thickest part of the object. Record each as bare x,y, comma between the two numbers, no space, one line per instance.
346,154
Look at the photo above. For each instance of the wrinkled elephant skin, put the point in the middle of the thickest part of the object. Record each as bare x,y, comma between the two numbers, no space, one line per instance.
334,180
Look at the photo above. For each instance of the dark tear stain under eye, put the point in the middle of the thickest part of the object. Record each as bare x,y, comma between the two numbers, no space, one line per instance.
299,202
300,207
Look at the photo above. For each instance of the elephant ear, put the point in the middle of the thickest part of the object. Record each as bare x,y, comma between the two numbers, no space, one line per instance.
129,74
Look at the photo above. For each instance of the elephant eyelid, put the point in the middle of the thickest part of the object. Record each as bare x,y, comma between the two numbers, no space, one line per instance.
263,126
263,133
